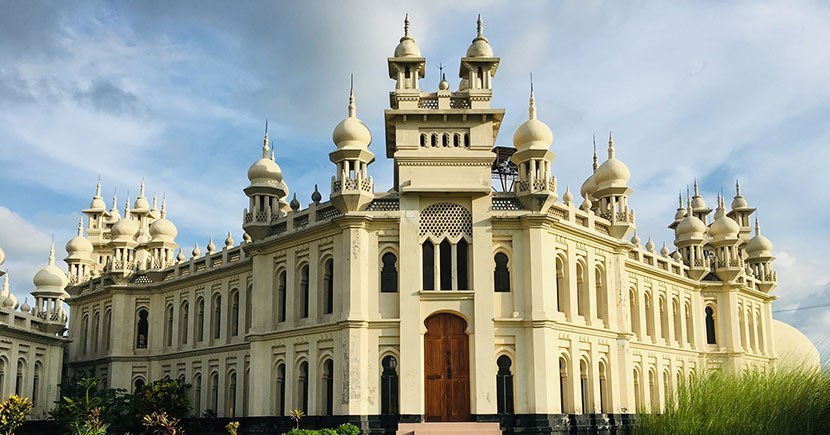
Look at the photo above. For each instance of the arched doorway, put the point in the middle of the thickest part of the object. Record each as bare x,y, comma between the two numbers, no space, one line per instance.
446,368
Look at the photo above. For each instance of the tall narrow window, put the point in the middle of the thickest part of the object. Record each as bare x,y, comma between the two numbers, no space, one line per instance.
504,385
184,322
280,390
281,297
664,319
96,330
634,312
197,395
200,319
561,286
428,264
581,297
248,308
564,387
690,330
2,377
603,388
142,327
501,276
638,392
36,384
302,387
710,326
678,322
328,287
107,329
328,387
445,257
602,295
585,388
230,402
168,326
759,327
18,382
84,334
655,394
389,273
214,392
234,314
462,265
389,386
649,315
217,318
304,292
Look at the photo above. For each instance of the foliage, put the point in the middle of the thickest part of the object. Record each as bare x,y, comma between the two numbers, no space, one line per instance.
348,429
81,397
343,429
209,413
232,427
13,412
296,415
159,423
167,396
794,401
93,424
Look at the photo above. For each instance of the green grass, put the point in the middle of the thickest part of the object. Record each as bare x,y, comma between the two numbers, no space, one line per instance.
793,401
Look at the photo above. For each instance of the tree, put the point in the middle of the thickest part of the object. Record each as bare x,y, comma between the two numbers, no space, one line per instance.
82,397
13,412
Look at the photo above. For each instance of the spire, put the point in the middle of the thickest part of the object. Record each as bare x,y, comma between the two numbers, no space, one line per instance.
697,193
141,188
610,146
81,227
155,201
164,207
680,200
405,27
757,226
127,207
265,147
98,187
52,252
737,188
596,163
115,199
352,108
531,110
479,30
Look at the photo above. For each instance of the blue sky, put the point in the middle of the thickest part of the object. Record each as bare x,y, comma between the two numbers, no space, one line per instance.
178,93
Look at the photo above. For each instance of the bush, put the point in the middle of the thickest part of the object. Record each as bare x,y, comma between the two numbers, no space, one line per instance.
13,412
81,397
348,429
795,401
343,429
165,396
159,423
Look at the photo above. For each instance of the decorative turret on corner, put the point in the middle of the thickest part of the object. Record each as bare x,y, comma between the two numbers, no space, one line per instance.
264,193
477,69
536,187
759,258
740,213
726,242
406,67
79,258
352,189
690,238
50,283
612,194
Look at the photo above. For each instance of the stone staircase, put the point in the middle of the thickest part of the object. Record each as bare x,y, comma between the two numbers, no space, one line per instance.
448,428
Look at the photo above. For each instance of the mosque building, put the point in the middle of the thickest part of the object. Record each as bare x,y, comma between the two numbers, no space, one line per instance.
441,300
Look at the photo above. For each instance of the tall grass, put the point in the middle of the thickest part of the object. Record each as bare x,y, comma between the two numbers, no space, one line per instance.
791,401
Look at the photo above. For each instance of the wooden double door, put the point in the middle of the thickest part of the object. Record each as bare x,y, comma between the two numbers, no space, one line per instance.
446,369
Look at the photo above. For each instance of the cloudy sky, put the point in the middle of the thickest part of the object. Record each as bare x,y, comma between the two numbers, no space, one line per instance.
178,93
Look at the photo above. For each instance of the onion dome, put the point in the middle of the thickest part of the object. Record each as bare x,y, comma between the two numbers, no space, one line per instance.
316,196
691,227
126,228
180,256
677,257
443,85
589,187
11,301
265,170
650,245
79,247
723,226
229,240
586,204
738,202
97,203
664,251
351,133
162,230
141,203
295,205
635,239
532,134
681,211
50,278
407,47
758,246
698,203
611,172
480,46
26,307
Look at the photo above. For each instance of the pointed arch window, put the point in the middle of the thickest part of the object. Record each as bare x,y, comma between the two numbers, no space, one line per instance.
248,308
197,395
184,321
200,319
389,273
602,294
230,402
302,387
214,392
389,386
107,329
634,312
328,286
84,334
281,297
18,382
328,387
428,263
96,330
564,387
142,327
504,385
36,383
168,326
501,275
303,292
561,286
710,326
217,318
280,390
234,313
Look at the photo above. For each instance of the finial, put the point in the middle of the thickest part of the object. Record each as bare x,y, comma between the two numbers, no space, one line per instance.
98,187
650,245
737,188
406,25
664,251
180,256
295,205
141,188
196,251
680,199
696,191
265,147
52,252
229,240
211,248
479,26
81,227
610,146
531,110
352,108
635,239
272,155
164,206
596,163
568,196
757,226
127,206
315,196
155,201
115,198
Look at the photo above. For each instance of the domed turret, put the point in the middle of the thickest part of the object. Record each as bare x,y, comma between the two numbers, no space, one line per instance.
162,229
533,133
79,246
97,203
612,194
407,47
480,46
114,214
141,203
690,227
125,229
352,188
612,172
758,246
536,188
699,205
265,171
351,132
723,226
50,279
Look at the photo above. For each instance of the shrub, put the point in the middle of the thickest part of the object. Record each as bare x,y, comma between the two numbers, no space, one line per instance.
343,429
13,412
348,429
795,401
232,427
93,425
81,397
159,423
165,396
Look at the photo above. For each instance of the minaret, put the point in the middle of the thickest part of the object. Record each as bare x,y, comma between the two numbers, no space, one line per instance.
352,189
690,239
759,258
264,192
477,70
406,68
123,235
612,194
96,212
740,213
49,294
141,209
79,259
162,243
725,241
536,187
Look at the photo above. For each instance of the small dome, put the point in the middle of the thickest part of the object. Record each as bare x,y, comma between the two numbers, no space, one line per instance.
97,204
724,226
532,134
351,133
739,202
265,171
443,85
79,246
141,203
612,171
125,229
759,245
26,307
698,202
407,47
10,301
50,277
480,46
163,229
589,187
681,213
691,227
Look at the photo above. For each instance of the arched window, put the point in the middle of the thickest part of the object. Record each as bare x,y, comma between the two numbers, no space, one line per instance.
389,273
246,382
667,390
280,390
168,326
328,287
2,377
581,296
200,319
36,383
138,385
84,334
564,387
302,387
96,330
328,387
216,321
741,326
664,319
214,392
197,395
423,140
230,401
753,343
143,326
760,328
184,321
303,306
710,326
248,308
18,382
428,265
504,385
462,265
634,312
638,392
585,387
107,329
281,297
501,275
690,329
602,295
649,315
678,321
389,386
603,388
233,327
445,257
655,394
561,286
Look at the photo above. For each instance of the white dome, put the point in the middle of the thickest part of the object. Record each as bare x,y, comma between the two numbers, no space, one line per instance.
265,171
407,47
125,229
739,202
163,229
589,187
141,203
613,172
724,226
480,48
79,246
759,245
681,213
351,133
97,204
532,134
49,278
698,202
690,226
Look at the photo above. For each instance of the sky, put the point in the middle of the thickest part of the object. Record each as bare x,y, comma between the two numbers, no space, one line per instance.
178,93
